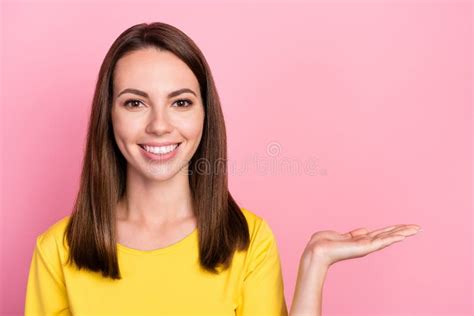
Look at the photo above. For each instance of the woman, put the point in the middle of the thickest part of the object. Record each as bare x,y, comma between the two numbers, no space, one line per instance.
154,228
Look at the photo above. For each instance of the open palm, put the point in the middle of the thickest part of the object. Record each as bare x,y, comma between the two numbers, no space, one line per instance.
330,246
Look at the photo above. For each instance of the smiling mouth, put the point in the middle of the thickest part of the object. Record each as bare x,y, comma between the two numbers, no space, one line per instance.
162,150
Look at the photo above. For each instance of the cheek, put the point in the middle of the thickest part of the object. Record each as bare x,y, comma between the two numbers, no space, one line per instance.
118,127
191,127
124,128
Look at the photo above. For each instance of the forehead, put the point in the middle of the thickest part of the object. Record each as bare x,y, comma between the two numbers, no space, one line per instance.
154,71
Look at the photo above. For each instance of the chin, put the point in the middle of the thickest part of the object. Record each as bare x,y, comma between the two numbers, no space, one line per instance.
162,172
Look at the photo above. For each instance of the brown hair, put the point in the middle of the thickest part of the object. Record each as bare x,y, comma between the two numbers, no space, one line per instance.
221,225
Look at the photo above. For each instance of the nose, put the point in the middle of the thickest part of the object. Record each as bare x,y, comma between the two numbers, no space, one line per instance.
158,122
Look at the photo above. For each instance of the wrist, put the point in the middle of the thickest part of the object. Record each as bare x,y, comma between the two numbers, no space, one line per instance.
316,260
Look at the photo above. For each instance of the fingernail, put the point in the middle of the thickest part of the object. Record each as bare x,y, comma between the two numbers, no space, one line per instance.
420,230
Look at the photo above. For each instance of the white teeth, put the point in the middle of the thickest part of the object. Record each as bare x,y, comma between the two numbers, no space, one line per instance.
160,150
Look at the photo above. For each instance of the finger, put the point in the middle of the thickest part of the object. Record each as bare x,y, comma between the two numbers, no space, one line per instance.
405,231
383,230
388,240
357,232
368,245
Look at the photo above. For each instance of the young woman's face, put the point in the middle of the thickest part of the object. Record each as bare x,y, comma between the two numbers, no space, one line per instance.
157,113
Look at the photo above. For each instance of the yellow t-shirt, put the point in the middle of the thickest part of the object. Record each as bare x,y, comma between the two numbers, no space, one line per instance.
165,281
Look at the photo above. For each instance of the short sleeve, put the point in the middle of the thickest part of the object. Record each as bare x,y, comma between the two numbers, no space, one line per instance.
45,291
263,291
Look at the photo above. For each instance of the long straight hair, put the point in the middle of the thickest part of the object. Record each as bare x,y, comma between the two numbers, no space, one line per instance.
91,230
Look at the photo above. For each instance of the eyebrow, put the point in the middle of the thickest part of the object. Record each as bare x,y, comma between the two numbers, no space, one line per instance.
145,95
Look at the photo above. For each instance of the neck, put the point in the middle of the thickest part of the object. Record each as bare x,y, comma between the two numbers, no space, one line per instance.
153,202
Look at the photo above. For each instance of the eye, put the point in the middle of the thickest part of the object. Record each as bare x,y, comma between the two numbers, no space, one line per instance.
132,102
184,100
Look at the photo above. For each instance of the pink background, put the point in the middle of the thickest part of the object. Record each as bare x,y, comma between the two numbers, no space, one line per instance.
377,95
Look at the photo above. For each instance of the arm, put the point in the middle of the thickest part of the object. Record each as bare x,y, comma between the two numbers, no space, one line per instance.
307,297
46,291
262,289
328,247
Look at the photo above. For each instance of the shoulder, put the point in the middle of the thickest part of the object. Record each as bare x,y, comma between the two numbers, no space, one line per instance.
251,217
51,239
263,247
259,229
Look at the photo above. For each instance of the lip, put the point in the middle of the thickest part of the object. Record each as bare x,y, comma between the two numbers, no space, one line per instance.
154,144
159,157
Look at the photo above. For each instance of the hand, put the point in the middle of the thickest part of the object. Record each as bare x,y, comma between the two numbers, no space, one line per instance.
328,247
